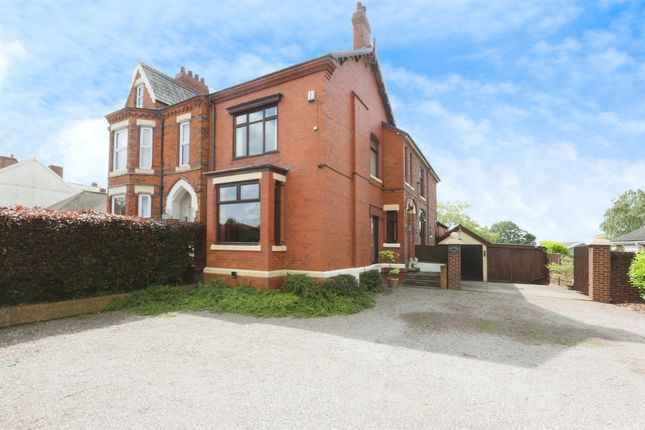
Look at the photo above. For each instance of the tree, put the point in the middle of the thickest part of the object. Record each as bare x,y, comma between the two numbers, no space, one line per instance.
625,215
554,247
455,213
509,232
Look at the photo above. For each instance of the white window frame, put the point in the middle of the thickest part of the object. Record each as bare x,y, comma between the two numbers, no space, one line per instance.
148,145
184,140
148,206
139,100
118,149
117,196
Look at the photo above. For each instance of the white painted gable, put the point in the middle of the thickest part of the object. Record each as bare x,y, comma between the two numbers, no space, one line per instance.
31,183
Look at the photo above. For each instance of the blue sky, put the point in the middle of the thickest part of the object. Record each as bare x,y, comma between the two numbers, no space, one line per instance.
532,111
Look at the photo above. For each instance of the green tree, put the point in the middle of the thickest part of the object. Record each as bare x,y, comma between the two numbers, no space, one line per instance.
625,215
509,232
456,213
554,247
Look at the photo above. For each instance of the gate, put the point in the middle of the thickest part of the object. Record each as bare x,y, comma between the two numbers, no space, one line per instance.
581,269
523,264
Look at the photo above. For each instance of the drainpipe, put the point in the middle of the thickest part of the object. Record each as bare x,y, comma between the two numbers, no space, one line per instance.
212,105
161,190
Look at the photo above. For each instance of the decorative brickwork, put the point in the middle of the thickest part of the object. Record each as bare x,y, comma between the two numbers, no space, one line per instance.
622,291
454,267
599,273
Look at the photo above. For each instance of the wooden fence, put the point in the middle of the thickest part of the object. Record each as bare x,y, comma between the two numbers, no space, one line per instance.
581,269
524,264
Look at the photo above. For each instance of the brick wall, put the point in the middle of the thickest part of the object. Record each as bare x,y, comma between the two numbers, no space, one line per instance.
622,291
599,273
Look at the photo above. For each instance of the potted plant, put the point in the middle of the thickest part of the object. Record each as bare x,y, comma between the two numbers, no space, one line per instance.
392,276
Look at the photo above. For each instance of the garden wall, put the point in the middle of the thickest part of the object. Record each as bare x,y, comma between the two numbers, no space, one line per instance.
49,256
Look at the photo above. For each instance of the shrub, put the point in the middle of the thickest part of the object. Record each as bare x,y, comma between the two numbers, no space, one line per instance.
297,284
554,247
637,272
372,281
48,255
344,286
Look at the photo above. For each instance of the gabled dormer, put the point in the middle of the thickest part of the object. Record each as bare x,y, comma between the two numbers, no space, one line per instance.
152,89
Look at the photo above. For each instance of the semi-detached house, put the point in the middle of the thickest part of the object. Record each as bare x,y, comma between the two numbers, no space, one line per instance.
299,171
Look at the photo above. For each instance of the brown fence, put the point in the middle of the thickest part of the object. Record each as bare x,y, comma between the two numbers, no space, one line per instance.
581,269
553,258
523,264
432,254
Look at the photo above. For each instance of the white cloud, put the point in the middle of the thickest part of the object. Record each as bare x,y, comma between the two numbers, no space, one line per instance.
82,149
10,52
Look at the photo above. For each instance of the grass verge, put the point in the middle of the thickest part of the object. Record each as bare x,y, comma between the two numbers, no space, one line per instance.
218,297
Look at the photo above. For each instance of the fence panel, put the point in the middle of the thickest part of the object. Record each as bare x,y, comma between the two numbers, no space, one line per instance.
516,264
581,269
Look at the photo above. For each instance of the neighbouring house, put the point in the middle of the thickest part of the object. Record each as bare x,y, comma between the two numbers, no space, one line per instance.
571,246
30,183
630,242
299,171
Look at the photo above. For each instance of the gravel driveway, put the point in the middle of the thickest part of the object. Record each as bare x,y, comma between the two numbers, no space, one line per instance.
504,358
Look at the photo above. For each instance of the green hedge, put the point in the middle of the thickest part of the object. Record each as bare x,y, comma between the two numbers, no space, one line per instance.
49,255
637,272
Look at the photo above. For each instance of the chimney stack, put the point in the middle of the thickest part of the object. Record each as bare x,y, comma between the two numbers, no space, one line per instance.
56,169
362,30
7,161
194,82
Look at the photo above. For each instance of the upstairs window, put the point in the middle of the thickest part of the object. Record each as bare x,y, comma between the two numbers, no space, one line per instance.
374,171
120,156
145,148
256,132
407,165
238,207
422,183
139,102
184,143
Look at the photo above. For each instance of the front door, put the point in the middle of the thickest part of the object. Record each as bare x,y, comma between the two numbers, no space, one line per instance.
374,226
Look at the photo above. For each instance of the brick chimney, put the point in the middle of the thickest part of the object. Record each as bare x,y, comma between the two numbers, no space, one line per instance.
194,82
56,169
362,30
7,161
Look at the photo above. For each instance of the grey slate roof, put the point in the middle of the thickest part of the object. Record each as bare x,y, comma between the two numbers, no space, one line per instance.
166,89
83,200
637,235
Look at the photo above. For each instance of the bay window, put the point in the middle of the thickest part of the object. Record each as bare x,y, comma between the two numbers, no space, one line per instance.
120,155
118,205
145,148
238,208
145,205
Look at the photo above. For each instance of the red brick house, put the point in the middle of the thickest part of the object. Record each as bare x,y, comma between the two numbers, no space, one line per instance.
299,171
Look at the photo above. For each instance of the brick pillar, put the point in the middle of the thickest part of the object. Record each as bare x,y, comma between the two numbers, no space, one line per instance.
454,267
600,269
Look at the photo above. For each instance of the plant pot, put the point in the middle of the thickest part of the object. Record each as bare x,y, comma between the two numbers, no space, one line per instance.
392,282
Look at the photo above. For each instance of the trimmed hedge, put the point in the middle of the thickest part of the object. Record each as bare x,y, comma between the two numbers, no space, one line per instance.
49,255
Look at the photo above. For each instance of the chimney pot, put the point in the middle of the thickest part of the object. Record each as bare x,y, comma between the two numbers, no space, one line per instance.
190,73
182,70
196,76
202,80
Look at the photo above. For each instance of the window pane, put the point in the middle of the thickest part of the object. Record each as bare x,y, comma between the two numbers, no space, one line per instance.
373,163
240,142
185,154
249,191
255,138
146,137
271,135
185,132
239,222
227,194
391,226
118,205
146,158
144,206
272,111
255,116
240,119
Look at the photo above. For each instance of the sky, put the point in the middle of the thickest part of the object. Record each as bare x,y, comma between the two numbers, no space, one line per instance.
531,111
